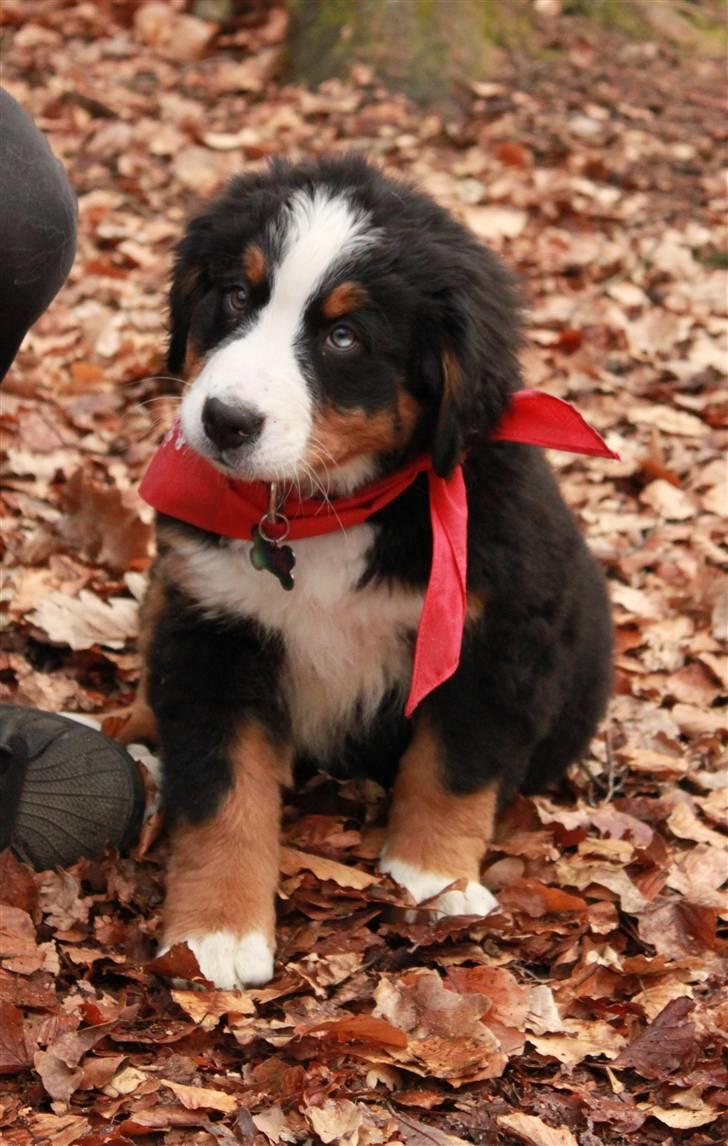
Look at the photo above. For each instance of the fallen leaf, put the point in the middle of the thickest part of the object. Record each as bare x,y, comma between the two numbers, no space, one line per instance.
580,1040
176,34
495,223
14,1053
528,1128
202,1098
272,1123
58,1130
362,1028
664,1045
18,948
669,503
667,419
207,1007
292,861
86,620
104,523
17,886
678,1118
337,1120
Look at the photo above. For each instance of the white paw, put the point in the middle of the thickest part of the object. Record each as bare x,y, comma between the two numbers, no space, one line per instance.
230,961
474,900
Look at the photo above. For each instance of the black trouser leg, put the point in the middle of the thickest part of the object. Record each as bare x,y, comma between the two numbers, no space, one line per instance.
37,226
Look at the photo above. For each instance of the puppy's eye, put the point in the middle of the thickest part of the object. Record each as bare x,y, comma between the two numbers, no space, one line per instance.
342,338
236,299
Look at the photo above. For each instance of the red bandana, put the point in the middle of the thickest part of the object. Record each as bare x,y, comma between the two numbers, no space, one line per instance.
181,484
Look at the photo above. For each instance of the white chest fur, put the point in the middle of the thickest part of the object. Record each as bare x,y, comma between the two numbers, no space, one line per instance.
344,647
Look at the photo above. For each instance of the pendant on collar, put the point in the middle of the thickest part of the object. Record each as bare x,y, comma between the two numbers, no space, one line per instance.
268,552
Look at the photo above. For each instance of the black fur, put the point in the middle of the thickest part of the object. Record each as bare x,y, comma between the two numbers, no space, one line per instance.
445,323
201,687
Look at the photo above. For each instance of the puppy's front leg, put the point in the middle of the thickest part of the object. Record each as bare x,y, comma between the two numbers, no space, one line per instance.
223,869
435,836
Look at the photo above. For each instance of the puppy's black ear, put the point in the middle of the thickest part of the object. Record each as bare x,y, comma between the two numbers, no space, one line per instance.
480,338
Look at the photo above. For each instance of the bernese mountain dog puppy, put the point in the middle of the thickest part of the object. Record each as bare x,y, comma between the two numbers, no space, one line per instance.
336,324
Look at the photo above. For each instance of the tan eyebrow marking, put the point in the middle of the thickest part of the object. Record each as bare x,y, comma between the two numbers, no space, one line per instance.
254,264
343,299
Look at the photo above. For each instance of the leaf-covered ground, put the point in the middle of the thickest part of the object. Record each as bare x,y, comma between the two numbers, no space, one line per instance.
592,1008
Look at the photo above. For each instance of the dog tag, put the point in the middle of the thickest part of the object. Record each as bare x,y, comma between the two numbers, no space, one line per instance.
269,553
272,557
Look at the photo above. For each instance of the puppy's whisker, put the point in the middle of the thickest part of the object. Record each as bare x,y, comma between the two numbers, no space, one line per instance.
171,399
326,499
156,378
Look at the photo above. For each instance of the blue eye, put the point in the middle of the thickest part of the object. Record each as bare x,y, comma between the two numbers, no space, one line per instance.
236,299
342,338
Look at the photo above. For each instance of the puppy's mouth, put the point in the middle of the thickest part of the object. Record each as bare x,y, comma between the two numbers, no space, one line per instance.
234,464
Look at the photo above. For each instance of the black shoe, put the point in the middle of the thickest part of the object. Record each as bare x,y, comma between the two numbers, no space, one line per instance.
65,790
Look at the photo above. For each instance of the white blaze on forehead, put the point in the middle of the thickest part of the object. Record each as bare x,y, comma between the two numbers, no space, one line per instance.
319,231
260,368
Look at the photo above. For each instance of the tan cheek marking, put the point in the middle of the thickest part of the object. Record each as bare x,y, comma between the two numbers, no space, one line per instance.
431,828
343,435
346,435
193,362
343,299
223,873
476,607
254,264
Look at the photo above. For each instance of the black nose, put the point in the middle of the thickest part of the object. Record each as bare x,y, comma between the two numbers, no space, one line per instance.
230,426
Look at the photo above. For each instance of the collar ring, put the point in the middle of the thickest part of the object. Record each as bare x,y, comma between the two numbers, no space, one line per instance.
275,520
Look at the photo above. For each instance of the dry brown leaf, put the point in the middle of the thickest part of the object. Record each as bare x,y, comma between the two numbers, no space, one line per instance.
15,1055
337,1120
636,603
207,1007
684,822
362,1028
202,1098
700,875
528,1128
271,1122
104,523
86,620
664,1045
667,419
581,873
493,224
678,1118
57,1129
669,503
176,34
696,721
580,1040
18,948
292,861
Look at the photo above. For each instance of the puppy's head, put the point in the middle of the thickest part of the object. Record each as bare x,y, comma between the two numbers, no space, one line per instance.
335,323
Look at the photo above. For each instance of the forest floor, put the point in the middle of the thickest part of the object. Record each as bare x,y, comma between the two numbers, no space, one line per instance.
592,1007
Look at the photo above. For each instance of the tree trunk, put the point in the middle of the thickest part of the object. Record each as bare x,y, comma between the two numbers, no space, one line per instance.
421,47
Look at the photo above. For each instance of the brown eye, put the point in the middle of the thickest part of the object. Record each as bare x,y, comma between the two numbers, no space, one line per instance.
236,299
342,338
